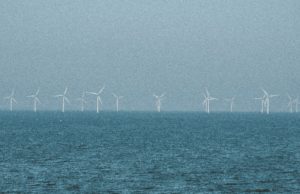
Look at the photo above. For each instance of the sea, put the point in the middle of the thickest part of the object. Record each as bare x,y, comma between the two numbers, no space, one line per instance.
149,152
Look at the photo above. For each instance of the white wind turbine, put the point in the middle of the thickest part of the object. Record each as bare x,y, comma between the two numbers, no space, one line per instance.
296,101
206,101
98,99
64,98
158,101
231,101
118,98
36,100
262,103
82,101
267,97
291,103
11,99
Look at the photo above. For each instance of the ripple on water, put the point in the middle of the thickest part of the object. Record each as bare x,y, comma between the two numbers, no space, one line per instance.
146,152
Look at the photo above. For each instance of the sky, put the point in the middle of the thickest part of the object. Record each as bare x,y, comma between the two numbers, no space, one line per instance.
137,48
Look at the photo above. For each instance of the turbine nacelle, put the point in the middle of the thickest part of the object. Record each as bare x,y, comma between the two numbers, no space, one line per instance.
97,93
116,96
159,96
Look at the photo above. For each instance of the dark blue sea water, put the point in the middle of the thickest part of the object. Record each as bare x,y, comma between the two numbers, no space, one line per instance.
149,152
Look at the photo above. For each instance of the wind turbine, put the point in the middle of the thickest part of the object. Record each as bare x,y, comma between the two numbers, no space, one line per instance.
11,99
64,98
267,97
206,101
262,103
118,98
98,99
290,104
36,100
158,101
82,101
231,101
296,101
293,102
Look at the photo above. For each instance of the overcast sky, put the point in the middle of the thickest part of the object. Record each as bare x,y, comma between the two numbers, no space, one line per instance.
140,47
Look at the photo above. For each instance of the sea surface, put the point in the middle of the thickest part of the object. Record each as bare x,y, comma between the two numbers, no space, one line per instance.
144,152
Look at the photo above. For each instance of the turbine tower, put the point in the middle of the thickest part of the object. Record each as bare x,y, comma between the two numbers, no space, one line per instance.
296,101
291,103
231,101
267,97
36,100
98,97
82,101
206,101
158,101
64,98
11,99
262,103
118,98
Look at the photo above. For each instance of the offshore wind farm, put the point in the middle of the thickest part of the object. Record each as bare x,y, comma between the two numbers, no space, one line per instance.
264,100
149,96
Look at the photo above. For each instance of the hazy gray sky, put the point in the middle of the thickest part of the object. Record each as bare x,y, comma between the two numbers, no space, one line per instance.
140,47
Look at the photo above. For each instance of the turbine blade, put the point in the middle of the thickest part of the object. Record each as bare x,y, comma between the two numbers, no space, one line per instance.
68,101
93,93
264,91
66,90
59,95
206,90
100,100
38,100
101,90
37,92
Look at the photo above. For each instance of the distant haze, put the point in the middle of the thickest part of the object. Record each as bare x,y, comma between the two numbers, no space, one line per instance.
140,47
